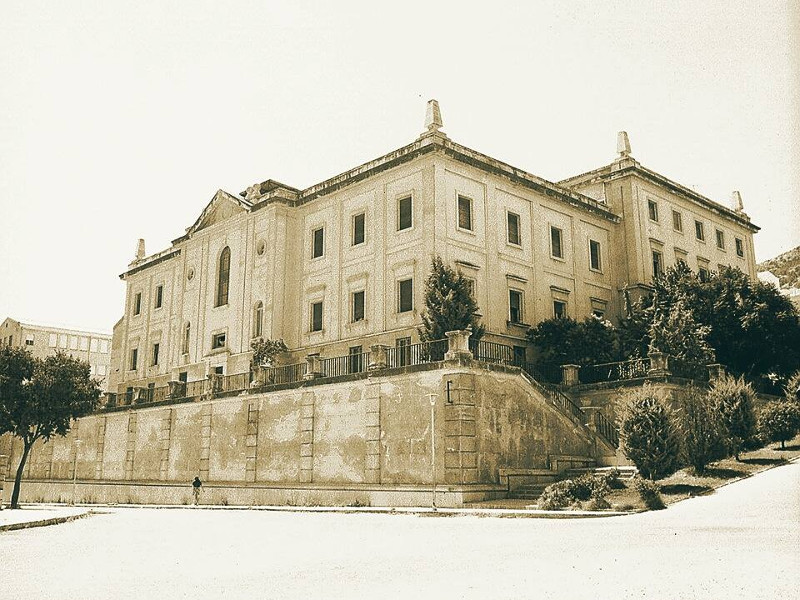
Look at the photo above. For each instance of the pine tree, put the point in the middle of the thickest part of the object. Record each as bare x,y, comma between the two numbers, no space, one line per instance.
449,304
675,332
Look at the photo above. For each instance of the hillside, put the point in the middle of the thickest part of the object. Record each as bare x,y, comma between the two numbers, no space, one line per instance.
785,266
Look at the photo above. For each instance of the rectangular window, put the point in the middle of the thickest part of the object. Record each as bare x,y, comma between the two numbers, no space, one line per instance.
658,263
183,376
137,303
358,229
84,343
470,283
704,274
556,250
52,340
159,296
319,243
29,340
720,239
559,309
404,216
156,348
358,306
62,340
218,341
73,342
93,345
464,213
104,346
677,221
102,370
515,306
134,359
600,314
219,370
355,359
699,231
405,295
652,210
594,255
512,227
739,247
403,351
316,316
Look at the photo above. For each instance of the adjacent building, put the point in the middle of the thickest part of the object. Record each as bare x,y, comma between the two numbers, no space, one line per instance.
44,340
338,267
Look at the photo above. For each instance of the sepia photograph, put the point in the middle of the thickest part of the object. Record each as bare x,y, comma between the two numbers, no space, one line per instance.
420,300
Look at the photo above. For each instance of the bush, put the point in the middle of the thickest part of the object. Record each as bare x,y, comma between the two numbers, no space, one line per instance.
732,398
779,421
701,429
571,492
650,493
792,389
648,433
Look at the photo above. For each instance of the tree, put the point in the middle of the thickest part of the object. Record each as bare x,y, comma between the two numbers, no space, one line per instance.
40,397
792,388
779,421
648,432
449,304
701,429
733,400
675,332
265,351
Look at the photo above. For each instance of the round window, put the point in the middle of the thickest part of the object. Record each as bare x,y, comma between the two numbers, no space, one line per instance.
261,247
190,274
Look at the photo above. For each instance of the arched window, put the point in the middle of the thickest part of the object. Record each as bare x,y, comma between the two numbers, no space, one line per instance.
223,276
258,319
187,330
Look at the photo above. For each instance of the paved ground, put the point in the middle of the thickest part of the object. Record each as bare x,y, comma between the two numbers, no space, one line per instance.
34,514
742,542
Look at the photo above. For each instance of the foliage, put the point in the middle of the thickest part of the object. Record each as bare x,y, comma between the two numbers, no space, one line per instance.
701,429
732,399
779,421
449,304
675,332
649,492
40,397
571,492
792,388
563,341
648,433
265,351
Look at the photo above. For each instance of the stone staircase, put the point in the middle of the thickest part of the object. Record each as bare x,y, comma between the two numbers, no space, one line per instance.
533,489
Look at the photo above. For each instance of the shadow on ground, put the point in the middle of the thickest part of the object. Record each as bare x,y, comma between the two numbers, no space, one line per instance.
764,461
671,489
722,473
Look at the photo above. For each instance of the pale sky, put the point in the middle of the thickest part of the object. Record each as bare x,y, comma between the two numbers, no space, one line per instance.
120,120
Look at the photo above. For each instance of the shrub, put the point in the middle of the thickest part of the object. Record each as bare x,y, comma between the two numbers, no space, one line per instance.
650,493
732,398
265,351
648,433
571,492
779,421
701,429
792,389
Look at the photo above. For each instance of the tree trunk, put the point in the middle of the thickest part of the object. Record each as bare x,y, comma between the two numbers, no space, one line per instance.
783,444
18,479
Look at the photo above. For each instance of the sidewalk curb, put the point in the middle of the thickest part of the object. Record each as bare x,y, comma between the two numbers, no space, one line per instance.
45,522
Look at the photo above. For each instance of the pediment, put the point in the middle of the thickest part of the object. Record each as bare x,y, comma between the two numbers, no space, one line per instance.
223,206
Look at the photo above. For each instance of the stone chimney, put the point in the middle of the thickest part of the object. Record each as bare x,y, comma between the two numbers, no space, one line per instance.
140,254
433,116
623,144
736,202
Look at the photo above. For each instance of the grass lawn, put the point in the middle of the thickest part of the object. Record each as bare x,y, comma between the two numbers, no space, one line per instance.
686,484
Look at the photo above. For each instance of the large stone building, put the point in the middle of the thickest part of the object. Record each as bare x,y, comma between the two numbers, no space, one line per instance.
45,340
338,267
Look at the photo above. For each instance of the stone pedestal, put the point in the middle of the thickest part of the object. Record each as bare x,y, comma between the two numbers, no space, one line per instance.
570,375
177,389
658,364
458,345
377,357
715,371
313,367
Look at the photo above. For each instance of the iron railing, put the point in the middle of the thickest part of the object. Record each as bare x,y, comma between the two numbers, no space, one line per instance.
492,352
195,388
285,374
234,383
616,371
344,365
606,428
416,354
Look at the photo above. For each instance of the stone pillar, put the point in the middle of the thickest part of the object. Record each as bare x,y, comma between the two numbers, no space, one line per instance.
658,364
139,395
177,389
458,345
307,437
460,447
313,367
570,375
205,441
715,371
131,444
166,438
215,380
377,357
251,444
373,437
101,445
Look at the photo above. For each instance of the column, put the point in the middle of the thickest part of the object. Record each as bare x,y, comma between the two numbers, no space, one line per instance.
460,458
307,437
373,461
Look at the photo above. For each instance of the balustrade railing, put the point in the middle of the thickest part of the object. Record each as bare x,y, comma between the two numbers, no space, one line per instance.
284,374
195,388
344,365
416,354
616,371
492,352
234,383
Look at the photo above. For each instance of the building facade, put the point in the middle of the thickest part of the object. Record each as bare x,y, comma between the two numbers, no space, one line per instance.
45,340
338,267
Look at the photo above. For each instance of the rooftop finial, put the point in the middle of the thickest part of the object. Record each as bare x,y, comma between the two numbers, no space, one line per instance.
736,202
140,249
623,144
433,116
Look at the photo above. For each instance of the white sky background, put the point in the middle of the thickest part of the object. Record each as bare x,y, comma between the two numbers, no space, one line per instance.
121,120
